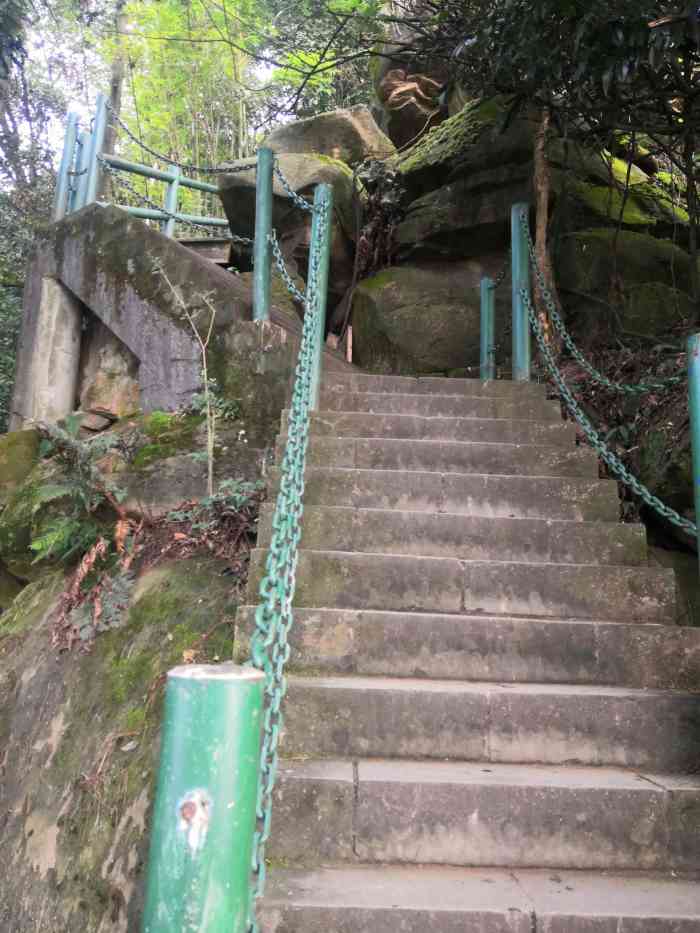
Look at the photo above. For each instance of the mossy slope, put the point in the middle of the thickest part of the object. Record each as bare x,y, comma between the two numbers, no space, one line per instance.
80,733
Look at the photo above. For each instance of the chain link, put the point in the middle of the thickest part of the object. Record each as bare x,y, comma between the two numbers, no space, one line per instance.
197,169
594,439
640,388
270,648
282,268
296,198
122,182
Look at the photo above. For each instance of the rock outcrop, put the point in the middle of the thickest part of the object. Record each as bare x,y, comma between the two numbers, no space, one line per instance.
348,135
303,171
423,318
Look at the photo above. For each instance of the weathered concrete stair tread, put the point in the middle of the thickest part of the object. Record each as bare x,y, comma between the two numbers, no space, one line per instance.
345,580
436,385
484,813
444,406
383,453
465,537
482,674
432,427
489,648
408,899
412,718
474,494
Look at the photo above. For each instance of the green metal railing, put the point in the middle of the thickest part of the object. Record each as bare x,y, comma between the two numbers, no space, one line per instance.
218,766
525,321
83,162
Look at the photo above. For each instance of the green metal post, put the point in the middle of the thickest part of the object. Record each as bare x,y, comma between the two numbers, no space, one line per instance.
80,195
204,814
521,280
487,356
323,205
171,202
96,144
694,408
262,250
61,201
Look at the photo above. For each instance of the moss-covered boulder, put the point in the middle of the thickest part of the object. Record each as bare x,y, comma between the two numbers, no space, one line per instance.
423,318
474,139
19,451
80,738
466,217
649,278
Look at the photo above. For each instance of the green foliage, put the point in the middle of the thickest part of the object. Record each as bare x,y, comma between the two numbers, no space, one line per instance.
65,538
82,491
222,407
10,317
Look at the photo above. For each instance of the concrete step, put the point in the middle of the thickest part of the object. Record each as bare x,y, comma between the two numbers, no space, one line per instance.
485,814
524,408
408,899
478,495
418,427
487,648
382,453
446,585
353,382
394,531
371,717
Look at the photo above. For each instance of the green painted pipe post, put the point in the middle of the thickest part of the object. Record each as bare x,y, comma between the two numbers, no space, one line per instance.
323,208
487,360
96,143
521,280
694,408
204,816
171,201
61,204
262,248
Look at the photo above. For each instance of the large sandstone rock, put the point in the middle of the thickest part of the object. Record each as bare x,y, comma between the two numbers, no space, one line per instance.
349,135
303,172
411,104
467,216
424,318
651,280
477,138
293,225
109,374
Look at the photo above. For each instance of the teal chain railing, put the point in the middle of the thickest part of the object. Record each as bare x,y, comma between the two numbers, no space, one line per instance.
523,308
593,437
640,388
219,756
273,619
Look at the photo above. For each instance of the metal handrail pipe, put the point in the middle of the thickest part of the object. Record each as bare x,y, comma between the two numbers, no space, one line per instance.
136,168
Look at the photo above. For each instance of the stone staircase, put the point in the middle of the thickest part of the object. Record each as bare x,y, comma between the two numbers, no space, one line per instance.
490,723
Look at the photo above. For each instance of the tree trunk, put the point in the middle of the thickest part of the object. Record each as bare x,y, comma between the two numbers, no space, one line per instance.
542,193
116,87
692,198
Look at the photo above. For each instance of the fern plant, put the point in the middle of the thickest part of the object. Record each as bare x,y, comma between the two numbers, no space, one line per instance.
80,488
